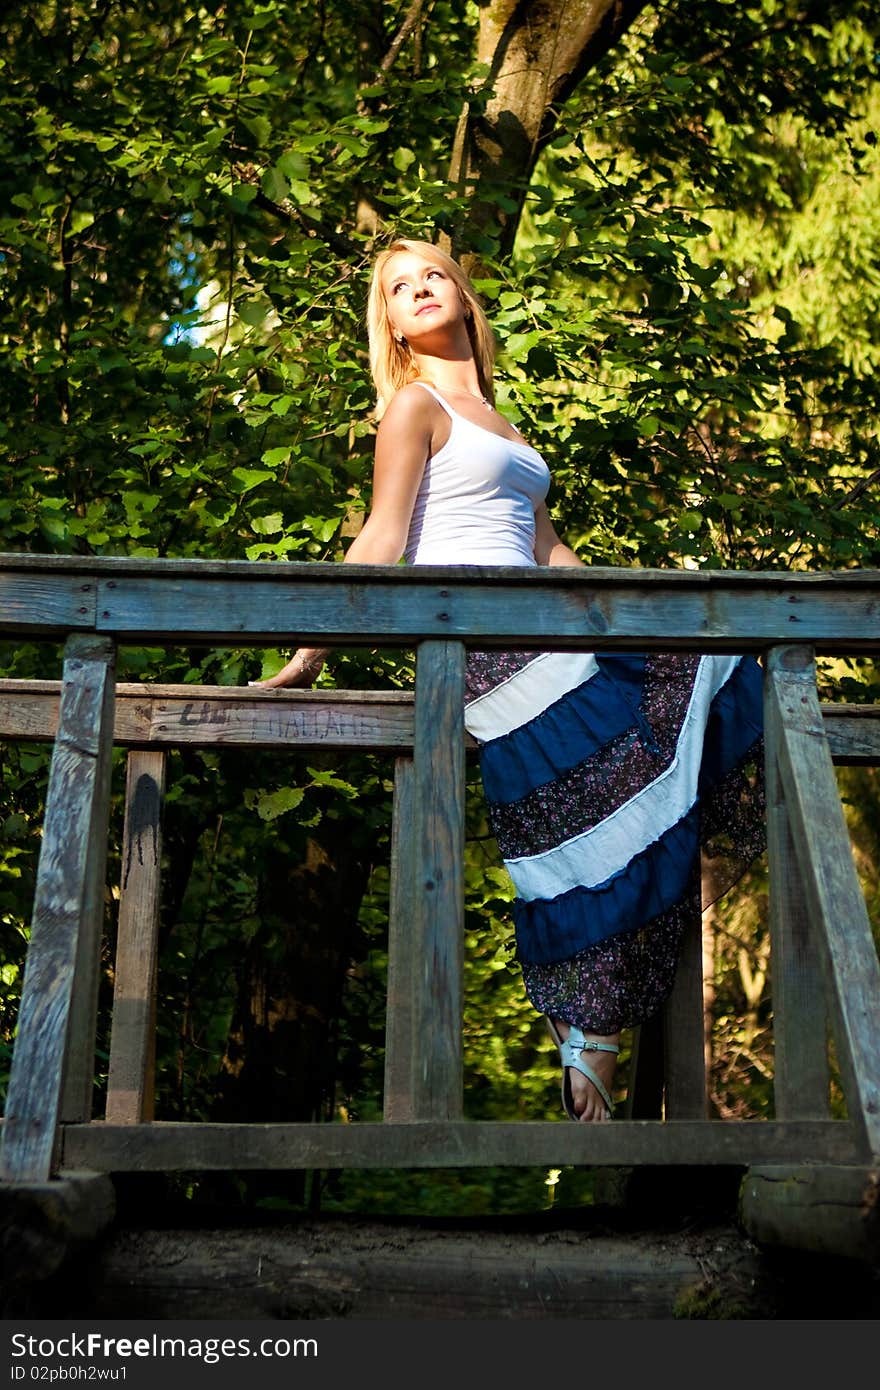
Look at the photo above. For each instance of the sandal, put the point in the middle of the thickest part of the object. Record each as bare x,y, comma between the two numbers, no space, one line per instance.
570,1050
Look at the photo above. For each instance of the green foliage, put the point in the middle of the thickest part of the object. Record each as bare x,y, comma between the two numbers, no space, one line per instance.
687,329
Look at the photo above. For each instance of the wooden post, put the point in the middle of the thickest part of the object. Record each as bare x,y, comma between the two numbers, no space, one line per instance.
55,1046
438,896
133,1038
644,1092
800,1027
832,891
400,1040
684,1047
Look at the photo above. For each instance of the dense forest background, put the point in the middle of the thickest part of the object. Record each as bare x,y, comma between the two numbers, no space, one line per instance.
672,213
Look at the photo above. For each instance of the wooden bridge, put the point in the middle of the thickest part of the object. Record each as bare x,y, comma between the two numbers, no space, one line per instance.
826,981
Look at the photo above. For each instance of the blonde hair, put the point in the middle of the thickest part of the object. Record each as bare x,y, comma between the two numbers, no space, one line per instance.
391,362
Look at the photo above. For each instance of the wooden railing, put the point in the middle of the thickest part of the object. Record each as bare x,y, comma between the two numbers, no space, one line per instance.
824,963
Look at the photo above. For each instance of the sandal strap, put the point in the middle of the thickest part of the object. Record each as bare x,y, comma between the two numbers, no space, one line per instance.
570,1055
587,1071
579,1043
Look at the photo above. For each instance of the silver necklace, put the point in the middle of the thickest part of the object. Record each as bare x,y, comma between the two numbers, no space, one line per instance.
463,391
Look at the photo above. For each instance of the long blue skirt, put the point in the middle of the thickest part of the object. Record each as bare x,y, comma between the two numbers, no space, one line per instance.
609,780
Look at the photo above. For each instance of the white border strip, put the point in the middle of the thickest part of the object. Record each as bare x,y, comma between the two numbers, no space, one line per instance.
525,694
593,856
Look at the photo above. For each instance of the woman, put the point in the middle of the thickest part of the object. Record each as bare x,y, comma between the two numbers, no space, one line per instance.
603,774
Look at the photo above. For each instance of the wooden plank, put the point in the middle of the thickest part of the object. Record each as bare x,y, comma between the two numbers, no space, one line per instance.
132,1043
212,716
833,895
197,601
200,1147
29,710
272,719
827,1210
203,715
800,1027
56,1027
115,567
401,1041
853,733
684,1044
570,609
54,603
438,897
498,1273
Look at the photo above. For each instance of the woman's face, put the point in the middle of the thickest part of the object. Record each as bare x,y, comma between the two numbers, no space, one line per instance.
421,297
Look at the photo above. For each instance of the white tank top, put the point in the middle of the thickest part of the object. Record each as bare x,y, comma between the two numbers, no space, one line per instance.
477,498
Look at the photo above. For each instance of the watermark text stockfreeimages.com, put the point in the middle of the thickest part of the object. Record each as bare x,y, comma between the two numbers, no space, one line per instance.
79,1352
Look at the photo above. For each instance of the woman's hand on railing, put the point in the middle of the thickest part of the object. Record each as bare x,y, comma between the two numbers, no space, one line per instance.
301,671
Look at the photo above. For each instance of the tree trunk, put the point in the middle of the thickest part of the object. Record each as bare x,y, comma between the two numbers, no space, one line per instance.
537,51
281,1052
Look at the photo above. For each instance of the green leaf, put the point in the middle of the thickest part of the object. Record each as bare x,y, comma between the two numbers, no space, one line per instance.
260,128
677,85
275,457
271,805
80,220
268,525
275,185
244,479
403,158
322,528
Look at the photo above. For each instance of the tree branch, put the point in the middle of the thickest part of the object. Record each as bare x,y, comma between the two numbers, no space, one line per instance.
856,492
792,21
410,20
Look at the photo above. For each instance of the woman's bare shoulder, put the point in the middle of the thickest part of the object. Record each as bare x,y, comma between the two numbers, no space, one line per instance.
412,407
413,397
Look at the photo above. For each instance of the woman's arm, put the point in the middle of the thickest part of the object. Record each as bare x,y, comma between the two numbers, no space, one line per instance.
403,444
549,549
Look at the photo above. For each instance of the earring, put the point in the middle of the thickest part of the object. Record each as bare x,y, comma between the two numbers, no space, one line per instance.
399,338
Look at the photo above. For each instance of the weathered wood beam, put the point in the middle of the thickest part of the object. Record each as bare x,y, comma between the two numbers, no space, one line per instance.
403,961
853,734
58,603
169,1147
437,901
684,1044
236,601
644,1092
835,903
816,1207
497,1274
801,1074
132,1041
586,612
43,1223
208,715
53,1061
204,716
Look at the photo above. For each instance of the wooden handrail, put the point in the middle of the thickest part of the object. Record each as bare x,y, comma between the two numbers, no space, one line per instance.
246,603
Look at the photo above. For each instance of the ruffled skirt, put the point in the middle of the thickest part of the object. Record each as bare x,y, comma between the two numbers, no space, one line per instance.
607,779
